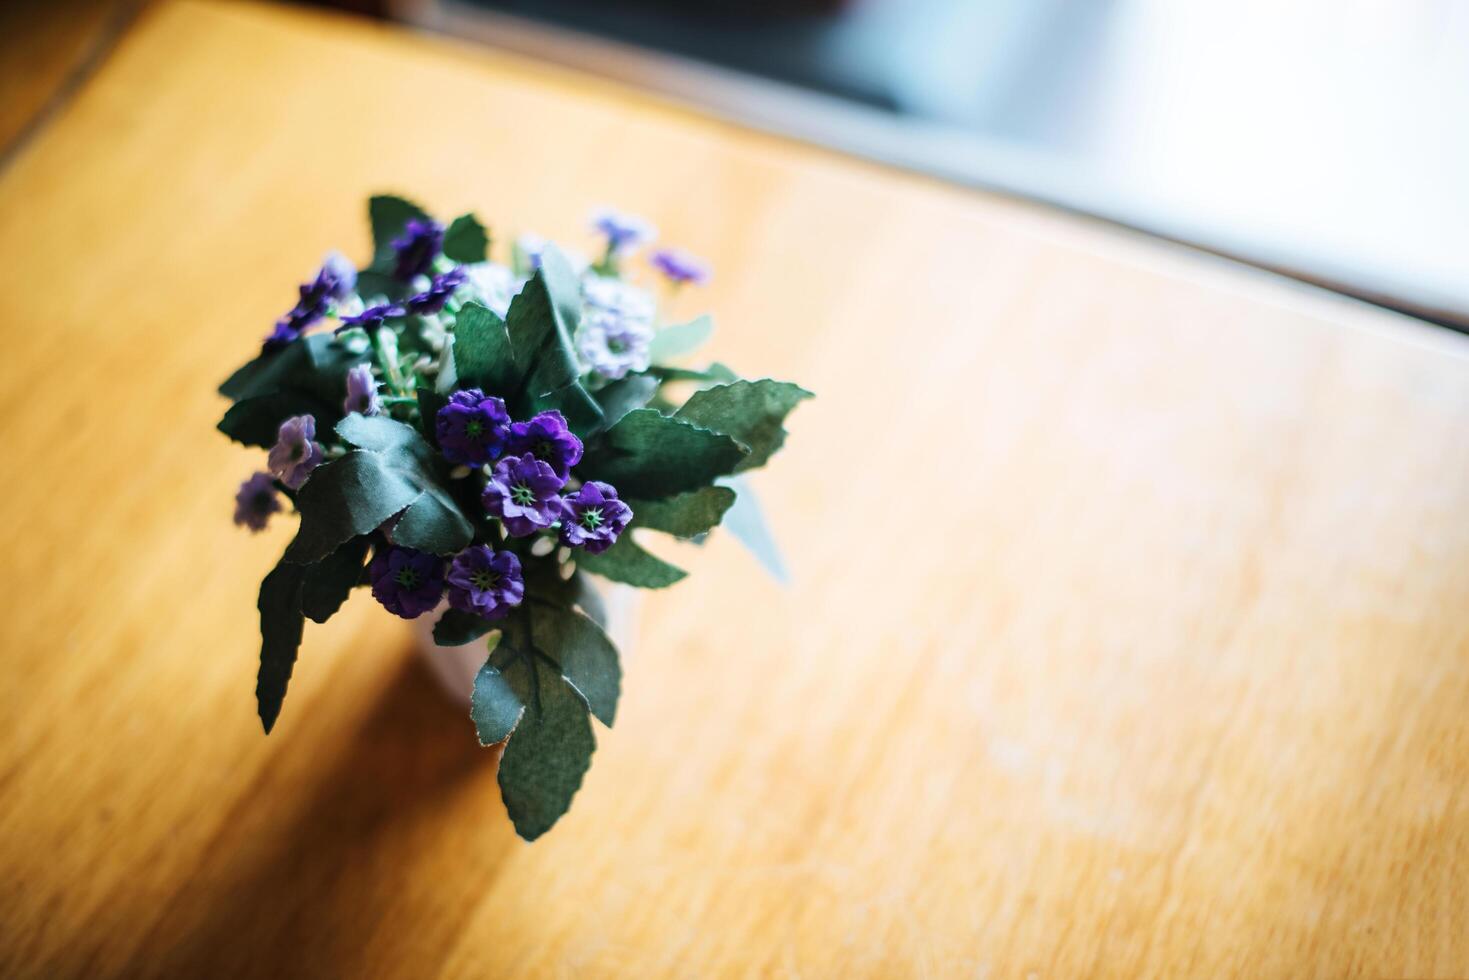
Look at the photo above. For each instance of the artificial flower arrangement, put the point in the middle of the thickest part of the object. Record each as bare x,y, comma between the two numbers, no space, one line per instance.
469,440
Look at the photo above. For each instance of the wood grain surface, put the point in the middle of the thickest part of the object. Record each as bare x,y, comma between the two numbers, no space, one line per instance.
1129,630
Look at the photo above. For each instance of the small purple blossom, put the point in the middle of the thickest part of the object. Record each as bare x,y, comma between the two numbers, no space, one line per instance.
362,392
612,345
484,582
295,453
334,281
624,232
593,517
680,267
531,246
417,247
256,500
408,583
522,493
439,292
286,330
472,427
547,438
372,317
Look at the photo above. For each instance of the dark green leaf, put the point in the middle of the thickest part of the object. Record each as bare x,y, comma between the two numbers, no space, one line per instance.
466,240
373,285
583,414
680,339
686,515
750,411
648,455
429,403
746,521
256,421
316,364
548,754
625,395
382,435
482,357
587,658
331,580
495,706
345,498
456,628
715,373
541,321
281,624
434,523
389,215
431,521
626,562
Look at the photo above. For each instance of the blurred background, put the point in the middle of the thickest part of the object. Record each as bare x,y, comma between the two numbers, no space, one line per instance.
1326,141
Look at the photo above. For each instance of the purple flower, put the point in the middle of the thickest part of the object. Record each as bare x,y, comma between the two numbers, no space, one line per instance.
612,345
680,267
547,438
286,330
624,232
417,247
372,317
295,453
335,280
337,277
438,292
484,582
472,427
531,246
256,500
362,392
522,492
407,582
593,517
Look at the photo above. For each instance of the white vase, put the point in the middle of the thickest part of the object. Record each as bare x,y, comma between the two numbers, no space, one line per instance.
456,667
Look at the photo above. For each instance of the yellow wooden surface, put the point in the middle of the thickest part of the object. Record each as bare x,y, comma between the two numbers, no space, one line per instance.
1129,633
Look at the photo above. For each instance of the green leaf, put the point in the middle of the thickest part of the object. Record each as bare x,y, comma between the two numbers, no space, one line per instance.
495,706
373,285
345,498
583,414
431,520
429,403
389,215
455,628
256,421
686,515
587,658
381,434
482,356
541,321
328,583
466,240
649,455
746,521
434,523
715,373
281,623
548,754
626,394
680,339
626,562
316,364
750,411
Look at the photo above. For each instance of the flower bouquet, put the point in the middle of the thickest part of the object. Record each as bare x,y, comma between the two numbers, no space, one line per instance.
470,440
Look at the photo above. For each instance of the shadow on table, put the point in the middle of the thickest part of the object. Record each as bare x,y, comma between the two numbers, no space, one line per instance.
311,887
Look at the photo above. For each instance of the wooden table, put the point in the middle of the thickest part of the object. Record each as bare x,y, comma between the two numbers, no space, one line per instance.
1129,633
